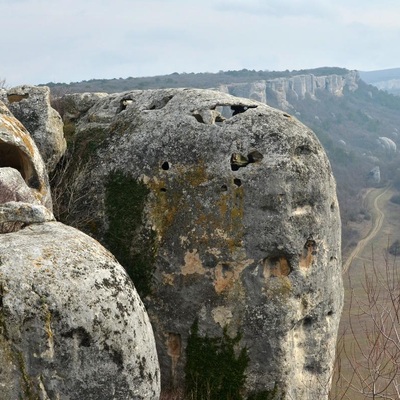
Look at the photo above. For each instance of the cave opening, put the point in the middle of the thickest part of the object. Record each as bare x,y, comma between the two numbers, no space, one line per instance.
13,157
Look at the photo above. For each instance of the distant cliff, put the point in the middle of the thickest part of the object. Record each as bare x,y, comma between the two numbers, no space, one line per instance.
280,92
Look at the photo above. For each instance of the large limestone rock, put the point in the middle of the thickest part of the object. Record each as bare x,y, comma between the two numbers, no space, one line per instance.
227,224
31,106
72,324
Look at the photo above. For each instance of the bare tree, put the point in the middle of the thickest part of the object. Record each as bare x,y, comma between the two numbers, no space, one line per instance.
3,83
371,349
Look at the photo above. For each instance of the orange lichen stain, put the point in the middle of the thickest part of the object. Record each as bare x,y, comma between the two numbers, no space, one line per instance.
163,207
307,256
192,176
177,197
227,275
174,345
38,262
174,350
168,279
276,267
193,264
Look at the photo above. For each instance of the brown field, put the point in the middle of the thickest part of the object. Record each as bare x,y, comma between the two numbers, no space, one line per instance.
368,256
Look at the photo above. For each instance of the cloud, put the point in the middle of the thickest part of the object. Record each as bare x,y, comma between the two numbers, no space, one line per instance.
70,40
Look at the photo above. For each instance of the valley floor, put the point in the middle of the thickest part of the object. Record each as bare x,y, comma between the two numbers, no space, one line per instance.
370,255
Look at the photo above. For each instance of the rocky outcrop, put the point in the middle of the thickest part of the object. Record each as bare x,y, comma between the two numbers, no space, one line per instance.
72,325
229,227
374,176
31,106
282,92
386,144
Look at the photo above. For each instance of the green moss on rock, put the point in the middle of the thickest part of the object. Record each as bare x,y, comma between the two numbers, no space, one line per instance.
215,369
125,237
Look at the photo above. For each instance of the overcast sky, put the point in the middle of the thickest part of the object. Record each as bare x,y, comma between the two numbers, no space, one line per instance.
73,40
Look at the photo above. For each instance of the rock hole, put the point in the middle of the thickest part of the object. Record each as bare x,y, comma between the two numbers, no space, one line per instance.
237,182
307,321
81,334
329,313
333,207
224,188
199,118
160,103
165,166
16,98
254,156
307,256
238,109
11,156
303,150
163,190
276,266
238,161
287,115
123,104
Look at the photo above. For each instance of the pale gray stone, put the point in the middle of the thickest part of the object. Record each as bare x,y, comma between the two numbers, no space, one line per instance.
31,106
72,325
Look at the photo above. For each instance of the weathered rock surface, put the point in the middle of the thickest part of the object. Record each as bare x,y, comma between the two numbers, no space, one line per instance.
22,171
233,223
72,325
31,106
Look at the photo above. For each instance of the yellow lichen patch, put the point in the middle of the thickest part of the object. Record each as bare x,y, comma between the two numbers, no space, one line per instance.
222,315
49,352
193,264
168,279
214,251
180,198
279,287
307,256
193,176
227,275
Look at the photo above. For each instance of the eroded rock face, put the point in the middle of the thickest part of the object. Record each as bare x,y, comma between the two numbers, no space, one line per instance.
231,223
31,106
22,171
72,324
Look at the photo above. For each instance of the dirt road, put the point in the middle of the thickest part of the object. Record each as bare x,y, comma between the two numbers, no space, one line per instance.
377,220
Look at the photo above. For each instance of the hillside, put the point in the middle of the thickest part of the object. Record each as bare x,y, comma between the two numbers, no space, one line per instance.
356,123
387,79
